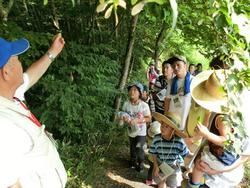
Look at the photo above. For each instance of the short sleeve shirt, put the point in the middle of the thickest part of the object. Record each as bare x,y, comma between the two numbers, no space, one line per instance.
138,111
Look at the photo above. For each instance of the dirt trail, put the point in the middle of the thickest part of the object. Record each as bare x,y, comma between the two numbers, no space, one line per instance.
119,175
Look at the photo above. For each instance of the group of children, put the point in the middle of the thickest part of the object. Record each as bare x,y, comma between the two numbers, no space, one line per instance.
165,139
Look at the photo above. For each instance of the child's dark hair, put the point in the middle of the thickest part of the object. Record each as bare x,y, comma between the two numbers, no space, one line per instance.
217,63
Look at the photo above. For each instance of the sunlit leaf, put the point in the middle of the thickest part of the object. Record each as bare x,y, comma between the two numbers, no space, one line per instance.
122,4
45,2
108,12
101,7
174,7
116,18
244,25
200,22
138,8
73,3
160,2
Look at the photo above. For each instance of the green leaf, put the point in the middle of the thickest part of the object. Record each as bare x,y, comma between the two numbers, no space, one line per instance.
160,2
45,2
133,2
220,21
73,3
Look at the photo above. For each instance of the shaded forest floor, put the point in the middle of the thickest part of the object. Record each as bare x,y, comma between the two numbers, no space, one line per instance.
118,174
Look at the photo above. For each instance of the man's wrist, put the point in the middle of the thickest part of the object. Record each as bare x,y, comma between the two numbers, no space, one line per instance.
51,56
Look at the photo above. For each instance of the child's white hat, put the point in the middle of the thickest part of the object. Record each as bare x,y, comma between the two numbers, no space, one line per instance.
155,128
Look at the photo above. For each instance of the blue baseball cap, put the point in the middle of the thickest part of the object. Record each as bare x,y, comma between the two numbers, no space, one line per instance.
9,49
138,85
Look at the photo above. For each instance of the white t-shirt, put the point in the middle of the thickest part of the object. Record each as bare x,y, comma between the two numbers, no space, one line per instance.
138,111
180,103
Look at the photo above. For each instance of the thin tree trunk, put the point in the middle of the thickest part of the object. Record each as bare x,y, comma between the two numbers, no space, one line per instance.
4,11
158,42
127,62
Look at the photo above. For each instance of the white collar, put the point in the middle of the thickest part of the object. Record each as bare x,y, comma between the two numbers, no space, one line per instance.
12,105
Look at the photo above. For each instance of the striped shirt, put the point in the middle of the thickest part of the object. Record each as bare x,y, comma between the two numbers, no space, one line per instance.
160,85
169,151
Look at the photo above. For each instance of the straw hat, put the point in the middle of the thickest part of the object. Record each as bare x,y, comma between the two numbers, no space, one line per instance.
195,114
171,119
155,128
207,90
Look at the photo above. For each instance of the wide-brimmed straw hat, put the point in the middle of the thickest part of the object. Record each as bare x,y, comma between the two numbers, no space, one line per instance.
196,114
207,90
171,119
155,128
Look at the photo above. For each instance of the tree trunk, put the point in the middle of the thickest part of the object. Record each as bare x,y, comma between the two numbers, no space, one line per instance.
127,62
158,42
4,11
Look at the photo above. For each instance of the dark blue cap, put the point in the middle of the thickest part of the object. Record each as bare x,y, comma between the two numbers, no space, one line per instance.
9,49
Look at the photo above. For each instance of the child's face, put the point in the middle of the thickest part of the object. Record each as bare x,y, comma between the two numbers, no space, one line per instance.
167,70
166,131
134,94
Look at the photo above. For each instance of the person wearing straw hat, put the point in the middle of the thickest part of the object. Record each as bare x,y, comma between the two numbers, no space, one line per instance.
139,115
29,157
168,150
223,167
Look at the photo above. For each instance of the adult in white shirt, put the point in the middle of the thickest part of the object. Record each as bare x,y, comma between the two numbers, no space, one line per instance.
29,158
178,98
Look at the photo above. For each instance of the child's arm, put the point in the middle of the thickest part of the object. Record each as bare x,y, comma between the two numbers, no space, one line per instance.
145,119
156,167
204,167
216,139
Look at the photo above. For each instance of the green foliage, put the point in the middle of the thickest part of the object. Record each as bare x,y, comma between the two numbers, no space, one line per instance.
80,93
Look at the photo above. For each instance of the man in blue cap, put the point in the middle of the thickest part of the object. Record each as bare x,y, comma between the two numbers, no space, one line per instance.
28,154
